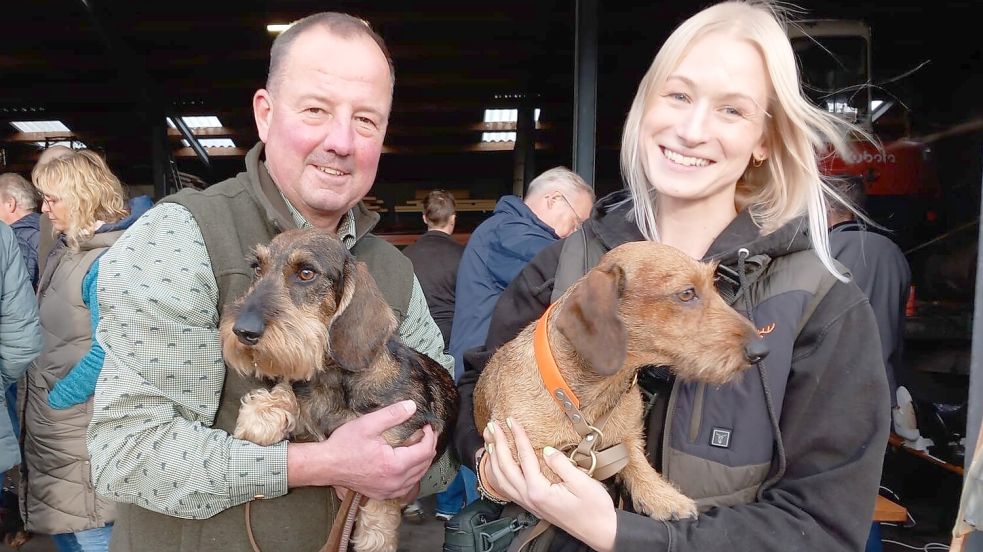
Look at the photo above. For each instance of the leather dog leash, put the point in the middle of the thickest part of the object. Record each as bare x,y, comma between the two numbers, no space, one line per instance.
344,521
341,529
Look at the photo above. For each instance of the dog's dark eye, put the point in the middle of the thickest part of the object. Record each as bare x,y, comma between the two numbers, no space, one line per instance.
306,274
257,268
686,295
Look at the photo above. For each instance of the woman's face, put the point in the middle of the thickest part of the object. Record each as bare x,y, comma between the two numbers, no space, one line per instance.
702,127
57,210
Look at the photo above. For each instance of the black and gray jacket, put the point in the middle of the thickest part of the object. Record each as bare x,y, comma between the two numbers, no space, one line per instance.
787,457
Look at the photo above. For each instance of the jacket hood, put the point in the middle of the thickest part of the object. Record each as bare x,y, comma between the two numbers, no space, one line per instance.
744,233
612,220
138,206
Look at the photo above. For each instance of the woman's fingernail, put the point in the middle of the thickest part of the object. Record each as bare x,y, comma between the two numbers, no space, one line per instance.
549,451
491,427
491,448
508,422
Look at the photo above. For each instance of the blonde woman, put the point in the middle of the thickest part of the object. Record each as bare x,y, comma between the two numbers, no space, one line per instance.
88,211
720,154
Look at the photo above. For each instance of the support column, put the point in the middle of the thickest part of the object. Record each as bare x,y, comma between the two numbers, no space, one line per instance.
585,90
524,153
161,158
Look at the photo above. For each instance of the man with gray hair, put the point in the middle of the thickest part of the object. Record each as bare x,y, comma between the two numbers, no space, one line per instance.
556,203
19,209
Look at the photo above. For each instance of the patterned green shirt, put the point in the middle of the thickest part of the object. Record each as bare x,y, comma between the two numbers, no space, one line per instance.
150,439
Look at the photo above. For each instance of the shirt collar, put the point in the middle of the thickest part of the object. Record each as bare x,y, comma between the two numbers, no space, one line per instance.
346,226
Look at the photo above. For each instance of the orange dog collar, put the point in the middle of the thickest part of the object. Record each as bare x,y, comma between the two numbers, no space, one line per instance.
547,365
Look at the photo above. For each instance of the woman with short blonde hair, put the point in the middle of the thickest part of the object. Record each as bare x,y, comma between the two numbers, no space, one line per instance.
84,193
88,211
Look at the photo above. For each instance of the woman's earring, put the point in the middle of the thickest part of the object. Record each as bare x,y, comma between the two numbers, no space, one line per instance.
757,162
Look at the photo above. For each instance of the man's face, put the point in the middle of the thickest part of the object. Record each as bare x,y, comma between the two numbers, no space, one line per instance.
324,122
564,213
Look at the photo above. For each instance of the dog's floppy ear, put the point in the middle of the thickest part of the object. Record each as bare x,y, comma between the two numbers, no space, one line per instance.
589,319
363,321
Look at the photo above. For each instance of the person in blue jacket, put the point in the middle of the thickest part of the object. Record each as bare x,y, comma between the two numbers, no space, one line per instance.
20,334
555,205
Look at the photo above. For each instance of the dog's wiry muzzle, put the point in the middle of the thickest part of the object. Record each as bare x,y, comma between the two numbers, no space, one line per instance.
249,326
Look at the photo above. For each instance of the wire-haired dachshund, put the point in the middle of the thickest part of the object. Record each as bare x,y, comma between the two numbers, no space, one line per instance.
316,324
644,304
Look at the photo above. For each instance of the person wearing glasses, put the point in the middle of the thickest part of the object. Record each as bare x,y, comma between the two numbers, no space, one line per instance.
88,211
557,202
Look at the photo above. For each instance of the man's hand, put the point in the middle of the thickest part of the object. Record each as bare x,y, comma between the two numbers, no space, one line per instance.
357,457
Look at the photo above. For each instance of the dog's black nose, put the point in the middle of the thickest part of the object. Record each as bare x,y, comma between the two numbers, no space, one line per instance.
249,327
756,350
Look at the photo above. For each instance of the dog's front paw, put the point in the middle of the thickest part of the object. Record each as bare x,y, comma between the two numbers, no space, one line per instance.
266,417
666,504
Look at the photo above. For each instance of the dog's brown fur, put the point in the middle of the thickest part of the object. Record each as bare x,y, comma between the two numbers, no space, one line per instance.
315,323
628,312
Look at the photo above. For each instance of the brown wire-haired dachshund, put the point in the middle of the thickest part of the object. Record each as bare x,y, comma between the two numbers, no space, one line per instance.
644,304
315,323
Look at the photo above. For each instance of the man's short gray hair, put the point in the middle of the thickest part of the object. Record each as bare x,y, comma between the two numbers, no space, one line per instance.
339,24
559,178
16,186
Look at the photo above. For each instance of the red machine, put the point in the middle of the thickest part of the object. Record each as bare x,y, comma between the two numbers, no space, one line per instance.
901,182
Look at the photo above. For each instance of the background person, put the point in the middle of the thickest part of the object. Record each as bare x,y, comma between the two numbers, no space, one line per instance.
19,209
87,208
719,154
556,203
879,268
160,433
435,256
20,343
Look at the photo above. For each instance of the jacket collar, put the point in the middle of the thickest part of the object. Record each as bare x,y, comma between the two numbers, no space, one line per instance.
614,224
30,220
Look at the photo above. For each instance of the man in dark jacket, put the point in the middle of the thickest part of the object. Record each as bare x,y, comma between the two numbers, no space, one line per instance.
879,268
556,203
19,209
435,256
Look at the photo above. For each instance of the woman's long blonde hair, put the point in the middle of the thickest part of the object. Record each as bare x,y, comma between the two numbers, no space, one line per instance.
91,191
797,133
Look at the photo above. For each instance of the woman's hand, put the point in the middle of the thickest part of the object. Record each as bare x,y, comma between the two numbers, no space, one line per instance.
579,504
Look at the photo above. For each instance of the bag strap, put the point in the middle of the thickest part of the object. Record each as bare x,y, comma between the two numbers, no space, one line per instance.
577,256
